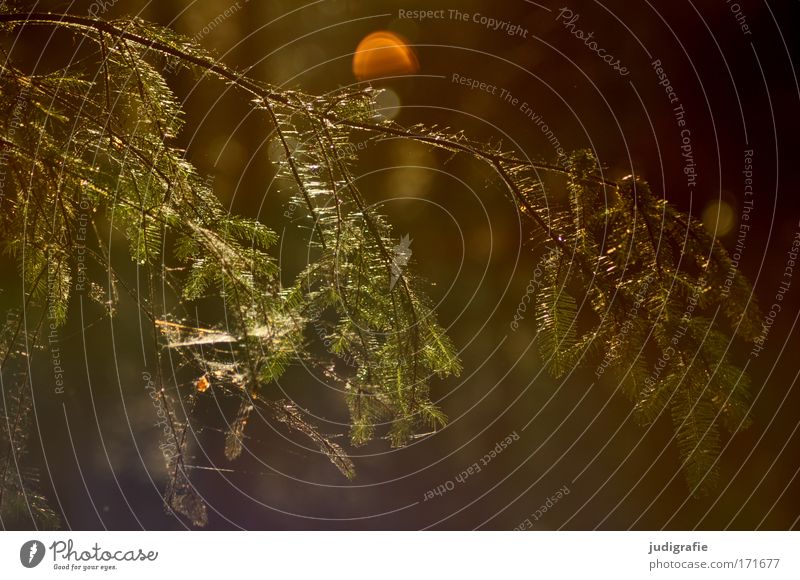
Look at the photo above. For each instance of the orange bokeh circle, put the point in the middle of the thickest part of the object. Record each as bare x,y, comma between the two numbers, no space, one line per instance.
383,54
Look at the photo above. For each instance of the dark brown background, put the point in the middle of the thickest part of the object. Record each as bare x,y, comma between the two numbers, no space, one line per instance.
629,477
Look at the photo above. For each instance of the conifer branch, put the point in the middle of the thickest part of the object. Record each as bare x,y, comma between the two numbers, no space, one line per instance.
77,146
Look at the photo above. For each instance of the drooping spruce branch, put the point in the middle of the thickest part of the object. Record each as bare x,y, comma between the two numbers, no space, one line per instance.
94,144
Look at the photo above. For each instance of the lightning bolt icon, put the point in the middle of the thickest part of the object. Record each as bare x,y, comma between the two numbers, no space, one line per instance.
34,550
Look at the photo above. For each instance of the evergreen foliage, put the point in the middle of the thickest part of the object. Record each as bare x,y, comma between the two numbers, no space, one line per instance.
90,153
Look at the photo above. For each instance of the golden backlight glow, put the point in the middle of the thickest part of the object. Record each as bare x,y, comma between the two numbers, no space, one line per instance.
719,218
383,54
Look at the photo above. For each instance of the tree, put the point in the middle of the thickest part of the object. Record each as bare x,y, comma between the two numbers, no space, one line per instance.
92,150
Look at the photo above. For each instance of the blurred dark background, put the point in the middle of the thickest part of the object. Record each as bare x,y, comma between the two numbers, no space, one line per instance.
739,92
